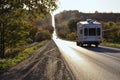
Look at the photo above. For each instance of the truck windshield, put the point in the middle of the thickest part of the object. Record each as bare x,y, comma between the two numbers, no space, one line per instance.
92,31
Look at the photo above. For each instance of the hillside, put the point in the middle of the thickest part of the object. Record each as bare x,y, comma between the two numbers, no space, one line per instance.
66,24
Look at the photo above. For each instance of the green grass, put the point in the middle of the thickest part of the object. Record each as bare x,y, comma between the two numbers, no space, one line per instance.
117,45
9,62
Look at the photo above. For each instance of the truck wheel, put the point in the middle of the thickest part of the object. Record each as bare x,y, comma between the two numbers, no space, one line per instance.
78,43
89,45
81,44
96,45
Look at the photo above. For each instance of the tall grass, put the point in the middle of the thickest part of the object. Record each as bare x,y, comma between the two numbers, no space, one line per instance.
8,62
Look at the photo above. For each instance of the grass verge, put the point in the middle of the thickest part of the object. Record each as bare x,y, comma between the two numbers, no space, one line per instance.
116,45
9,62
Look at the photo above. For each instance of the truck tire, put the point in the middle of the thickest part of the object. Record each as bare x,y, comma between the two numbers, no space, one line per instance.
89,45
81,44
96,45
77,43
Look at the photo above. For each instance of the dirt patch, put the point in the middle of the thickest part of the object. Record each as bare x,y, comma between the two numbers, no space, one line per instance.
45,64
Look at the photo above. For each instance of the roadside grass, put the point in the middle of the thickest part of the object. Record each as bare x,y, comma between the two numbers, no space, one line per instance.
116,45
9,62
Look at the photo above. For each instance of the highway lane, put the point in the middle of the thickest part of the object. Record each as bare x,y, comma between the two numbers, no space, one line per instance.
90,63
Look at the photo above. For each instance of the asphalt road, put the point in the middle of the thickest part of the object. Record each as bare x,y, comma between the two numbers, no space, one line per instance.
90,63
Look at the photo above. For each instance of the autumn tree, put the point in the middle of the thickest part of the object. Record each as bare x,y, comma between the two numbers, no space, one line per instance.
14,16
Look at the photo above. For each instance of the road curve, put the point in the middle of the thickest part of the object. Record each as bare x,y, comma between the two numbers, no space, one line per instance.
90,63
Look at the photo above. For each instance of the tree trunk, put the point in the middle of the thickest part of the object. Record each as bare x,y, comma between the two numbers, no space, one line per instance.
2,45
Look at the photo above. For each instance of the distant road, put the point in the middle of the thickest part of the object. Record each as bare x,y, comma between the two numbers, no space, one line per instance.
90,63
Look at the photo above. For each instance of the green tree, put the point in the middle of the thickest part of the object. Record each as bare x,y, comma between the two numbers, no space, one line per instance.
72,24
17,30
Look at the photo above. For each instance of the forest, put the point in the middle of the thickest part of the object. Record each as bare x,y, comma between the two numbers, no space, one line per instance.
66,24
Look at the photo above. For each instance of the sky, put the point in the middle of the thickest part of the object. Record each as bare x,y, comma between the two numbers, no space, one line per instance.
89,6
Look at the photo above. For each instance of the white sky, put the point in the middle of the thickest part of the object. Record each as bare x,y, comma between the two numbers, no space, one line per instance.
89,5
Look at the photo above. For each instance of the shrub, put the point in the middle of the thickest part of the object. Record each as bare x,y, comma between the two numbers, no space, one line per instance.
71,36
42,35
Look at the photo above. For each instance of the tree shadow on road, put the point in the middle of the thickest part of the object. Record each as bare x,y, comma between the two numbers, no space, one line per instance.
102,49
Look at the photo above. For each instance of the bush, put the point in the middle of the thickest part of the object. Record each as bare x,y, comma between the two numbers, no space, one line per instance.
71,36
42,35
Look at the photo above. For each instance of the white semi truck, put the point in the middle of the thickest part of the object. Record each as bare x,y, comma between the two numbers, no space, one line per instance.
89,32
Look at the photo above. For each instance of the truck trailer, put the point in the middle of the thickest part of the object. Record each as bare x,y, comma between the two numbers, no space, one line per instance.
89,32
